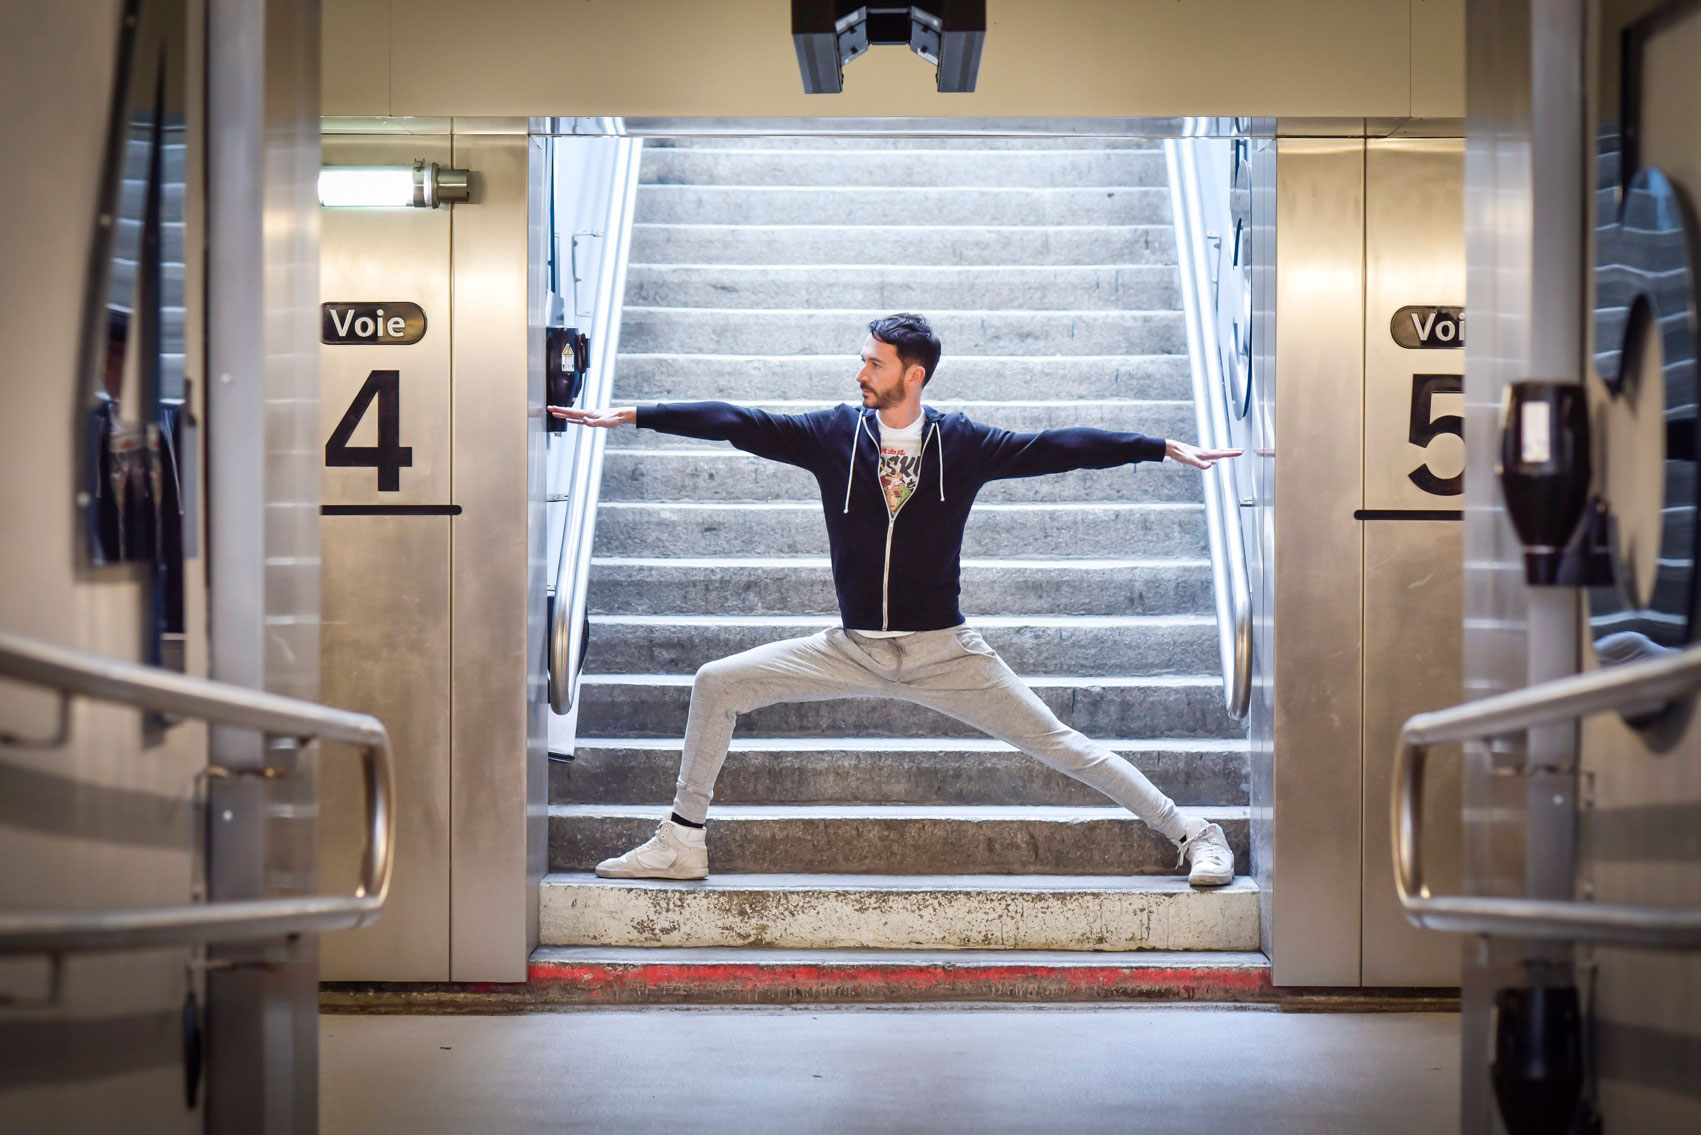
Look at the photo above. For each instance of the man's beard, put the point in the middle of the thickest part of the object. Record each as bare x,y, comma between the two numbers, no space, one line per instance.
885,401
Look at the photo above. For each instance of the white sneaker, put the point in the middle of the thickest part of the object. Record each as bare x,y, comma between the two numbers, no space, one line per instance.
1205,844
674,852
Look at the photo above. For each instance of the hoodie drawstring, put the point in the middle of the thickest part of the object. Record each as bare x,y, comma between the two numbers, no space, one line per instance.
850,478
940,446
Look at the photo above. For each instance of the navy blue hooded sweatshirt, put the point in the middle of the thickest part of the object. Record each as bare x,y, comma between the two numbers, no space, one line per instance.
841,447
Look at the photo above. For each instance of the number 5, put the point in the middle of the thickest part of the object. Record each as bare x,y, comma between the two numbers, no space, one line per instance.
1425,428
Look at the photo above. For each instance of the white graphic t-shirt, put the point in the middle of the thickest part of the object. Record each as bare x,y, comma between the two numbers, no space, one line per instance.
900,462
900,469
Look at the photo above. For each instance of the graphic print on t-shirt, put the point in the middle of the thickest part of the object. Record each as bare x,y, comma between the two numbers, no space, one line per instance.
899,471
900,461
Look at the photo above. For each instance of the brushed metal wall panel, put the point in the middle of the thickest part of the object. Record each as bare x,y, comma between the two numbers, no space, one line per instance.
389,254
1414,255
492,568
385,596
1414,251
539,236
1261,533
1637,835
1412,626
1318,649
385,579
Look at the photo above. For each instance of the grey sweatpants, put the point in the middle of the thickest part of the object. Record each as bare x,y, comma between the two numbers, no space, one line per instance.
953,671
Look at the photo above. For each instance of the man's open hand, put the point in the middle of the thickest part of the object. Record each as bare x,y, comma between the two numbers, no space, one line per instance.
625,416
1194,456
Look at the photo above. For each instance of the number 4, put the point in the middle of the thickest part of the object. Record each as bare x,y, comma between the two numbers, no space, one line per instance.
1425,428
389,456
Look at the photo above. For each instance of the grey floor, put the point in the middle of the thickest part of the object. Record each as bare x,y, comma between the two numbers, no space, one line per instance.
941,1070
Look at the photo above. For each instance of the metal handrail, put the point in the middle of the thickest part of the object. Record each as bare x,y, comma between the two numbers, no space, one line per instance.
76,673
1566,699
1231,583
573,567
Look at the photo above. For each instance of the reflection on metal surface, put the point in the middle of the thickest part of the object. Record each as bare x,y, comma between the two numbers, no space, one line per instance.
81,674
570,620
1562,700
1211,396
138,439
1319,382
1645,287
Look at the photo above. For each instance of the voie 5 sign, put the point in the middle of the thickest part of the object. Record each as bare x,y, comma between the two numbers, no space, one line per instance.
1428,327
392,323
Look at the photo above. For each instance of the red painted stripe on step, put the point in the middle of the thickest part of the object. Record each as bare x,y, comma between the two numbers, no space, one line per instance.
590,983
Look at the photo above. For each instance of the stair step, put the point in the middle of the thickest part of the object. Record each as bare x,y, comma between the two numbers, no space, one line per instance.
863,770
1152,418
1088,528
803,585
744,331
1061,644
644,377
805,134
900,205
652,705
974,243
899,913
919,166
895,839
626,975
1140,287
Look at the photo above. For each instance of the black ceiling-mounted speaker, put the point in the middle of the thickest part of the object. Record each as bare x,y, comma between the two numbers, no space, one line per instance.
830,33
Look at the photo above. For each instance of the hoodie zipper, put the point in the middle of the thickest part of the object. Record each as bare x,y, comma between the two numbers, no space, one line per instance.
892,523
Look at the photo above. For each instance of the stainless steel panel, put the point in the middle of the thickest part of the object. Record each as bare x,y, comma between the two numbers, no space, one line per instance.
263,105
387,597
386,652
1411,664
373,255
1642,800
1414,257
538,238
1498,238
493,574
1260,531
1318,645
1414,249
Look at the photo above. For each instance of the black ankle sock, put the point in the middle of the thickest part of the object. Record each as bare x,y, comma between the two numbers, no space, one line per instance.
684,823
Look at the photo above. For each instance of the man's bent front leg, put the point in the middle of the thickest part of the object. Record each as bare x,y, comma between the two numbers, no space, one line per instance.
815,668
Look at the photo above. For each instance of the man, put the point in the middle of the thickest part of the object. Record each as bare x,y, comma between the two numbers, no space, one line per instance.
897,482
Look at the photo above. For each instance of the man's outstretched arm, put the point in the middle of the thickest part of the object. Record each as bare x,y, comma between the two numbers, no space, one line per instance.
1007,454
778,437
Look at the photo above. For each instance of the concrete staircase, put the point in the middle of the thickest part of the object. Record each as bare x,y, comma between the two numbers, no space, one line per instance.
871,849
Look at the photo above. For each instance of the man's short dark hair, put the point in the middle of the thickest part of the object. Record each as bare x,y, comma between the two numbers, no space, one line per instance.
916,343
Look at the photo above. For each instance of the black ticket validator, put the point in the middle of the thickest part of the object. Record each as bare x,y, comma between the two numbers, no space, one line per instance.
567,362
1544,471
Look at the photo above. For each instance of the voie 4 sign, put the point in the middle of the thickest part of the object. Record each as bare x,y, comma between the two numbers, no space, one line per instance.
386,323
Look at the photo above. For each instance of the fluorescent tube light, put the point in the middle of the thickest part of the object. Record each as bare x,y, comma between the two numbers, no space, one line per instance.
423,185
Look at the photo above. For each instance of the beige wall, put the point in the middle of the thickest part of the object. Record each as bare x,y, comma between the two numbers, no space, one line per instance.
1162,58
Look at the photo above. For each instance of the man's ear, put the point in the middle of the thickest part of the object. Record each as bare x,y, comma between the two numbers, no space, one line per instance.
917,372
